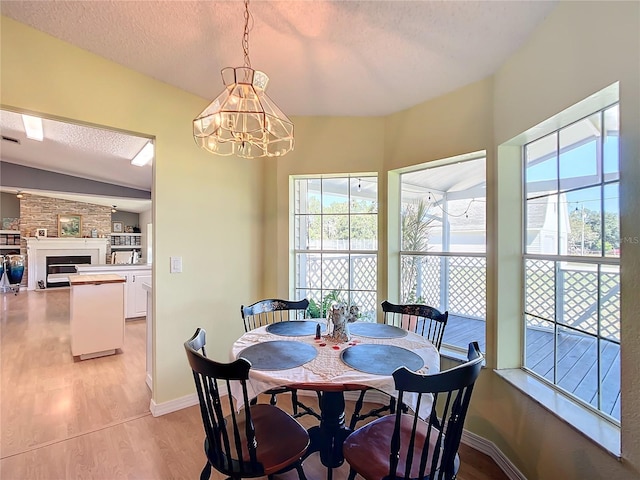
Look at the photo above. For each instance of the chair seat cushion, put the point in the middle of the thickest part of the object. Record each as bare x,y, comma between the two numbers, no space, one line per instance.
280,438
367,449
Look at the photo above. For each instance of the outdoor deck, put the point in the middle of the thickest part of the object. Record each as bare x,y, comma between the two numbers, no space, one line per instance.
577,354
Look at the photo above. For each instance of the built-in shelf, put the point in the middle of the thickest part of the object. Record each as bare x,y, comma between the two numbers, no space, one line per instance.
124,241
9,240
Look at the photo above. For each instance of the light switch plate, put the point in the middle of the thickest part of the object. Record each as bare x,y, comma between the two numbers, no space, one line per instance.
176,265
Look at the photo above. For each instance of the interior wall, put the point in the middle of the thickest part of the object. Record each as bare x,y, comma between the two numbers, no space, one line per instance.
204,205
128,219
581,48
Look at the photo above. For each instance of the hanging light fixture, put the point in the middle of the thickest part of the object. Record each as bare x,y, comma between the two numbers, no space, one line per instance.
243,120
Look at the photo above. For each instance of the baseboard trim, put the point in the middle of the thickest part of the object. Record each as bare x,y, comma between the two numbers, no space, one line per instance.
158,409
489,448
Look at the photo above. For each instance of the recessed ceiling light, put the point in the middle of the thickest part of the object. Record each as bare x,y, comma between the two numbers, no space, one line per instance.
33,127
144,156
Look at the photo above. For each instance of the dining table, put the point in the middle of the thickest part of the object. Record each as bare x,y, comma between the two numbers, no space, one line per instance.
290,354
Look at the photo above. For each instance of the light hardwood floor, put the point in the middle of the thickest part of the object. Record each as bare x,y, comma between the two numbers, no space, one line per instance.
89,419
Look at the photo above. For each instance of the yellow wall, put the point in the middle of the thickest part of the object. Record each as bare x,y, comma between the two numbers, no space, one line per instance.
579,49
205,208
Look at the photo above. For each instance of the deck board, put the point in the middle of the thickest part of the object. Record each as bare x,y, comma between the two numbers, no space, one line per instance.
576,362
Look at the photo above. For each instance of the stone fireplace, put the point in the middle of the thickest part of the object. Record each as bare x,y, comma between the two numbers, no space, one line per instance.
38,249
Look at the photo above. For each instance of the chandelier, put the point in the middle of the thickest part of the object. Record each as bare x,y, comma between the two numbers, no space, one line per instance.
243,120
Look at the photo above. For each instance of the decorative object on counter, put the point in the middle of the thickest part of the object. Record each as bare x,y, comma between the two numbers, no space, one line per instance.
94,233
10,223
70,226
340,316
116,227
128,229
318,332
136,229
40,233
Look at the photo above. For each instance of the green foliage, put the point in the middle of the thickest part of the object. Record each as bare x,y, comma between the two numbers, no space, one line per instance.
338,215
320,311
584,235
415,223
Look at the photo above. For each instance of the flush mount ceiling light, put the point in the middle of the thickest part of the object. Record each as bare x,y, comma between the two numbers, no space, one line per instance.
19,194
243,120
33,127
144,156
113,209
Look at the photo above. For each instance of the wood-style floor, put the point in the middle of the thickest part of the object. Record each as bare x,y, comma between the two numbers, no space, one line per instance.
90,419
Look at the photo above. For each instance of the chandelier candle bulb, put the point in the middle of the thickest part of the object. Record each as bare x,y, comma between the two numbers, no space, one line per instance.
243,120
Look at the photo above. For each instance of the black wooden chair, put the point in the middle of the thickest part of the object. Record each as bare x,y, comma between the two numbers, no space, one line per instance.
266,312
421,319
248,443
403,445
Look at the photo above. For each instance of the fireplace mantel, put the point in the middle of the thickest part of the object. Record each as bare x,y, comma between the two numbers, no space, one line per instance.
39,248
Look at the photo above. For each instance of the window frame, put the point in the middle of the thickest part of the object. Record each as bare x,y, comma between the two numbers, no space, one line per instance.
599,261
455,351
295,251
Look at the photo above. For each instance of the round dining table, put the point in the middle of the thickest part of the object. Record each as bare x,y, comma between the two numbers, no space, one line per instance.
289,354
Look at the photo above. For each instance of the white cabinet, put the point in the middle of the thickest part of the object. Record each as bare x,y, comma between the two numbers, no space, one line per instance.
136,294
97,322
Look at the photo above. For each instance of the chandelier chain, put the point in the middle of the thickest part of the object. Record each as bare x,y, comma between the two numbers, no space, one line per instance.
245,37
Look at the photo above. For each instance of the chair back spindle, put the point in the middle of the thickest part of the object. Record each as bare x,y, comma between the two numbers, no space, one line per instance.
266,312
424,320
231,446
406,445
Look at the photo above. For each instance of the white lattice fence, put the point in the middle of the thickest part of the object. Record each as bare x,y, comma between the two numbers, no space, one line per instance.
578,298
456,284
349,278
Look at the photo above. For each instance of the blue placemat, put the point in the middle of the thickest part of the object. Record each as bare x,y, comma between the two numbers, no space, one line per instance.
294,328
278,354
376,330
380,359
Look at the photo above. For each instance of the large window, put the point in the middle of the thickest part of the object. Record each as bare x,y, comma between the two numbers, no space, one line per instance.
571,261
336,242
443,245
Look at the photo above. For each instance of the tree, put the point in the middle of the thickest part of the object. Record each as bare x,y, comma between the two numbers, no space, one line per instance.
415,224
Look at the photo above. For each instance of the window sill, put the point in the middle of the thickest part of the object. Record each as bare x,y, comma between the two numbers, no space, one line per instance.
591,425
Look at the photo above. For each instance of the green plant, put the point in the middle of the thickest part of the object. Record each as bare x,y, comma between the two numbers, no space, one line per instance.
320,311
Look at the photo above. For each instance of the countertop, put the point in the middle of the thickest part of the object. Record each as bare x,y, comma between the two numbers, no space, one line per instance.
111,267
95,279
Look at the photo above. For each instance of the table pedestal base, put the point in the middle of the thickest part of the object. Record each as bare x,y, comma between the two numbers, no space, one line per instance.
328,437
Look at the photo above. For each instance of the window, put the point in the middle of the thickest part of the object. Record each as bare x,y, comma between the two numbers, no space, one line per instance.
571,261
336,242
443,245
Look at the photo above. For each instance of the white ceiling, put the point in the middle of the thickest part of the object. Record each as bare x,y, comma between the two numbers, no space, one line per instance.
346,58
78,150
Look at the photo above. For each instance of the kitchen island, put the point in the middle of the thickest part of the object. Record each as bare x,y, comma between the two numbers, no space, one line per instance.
97,320
135,274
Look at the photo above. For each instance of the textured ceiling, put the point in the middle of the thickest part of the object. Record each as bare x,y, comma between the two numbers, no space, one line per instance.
345,58
348,58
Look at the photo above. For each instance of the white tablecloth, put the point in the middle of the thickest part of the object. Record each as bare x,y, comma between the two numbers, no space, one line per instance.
328,368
